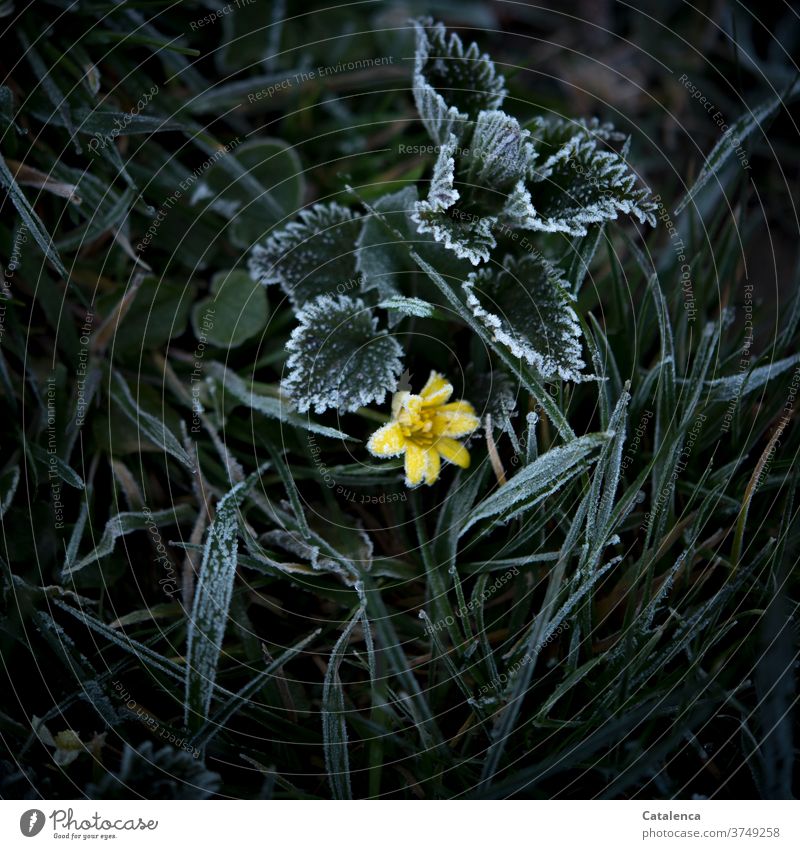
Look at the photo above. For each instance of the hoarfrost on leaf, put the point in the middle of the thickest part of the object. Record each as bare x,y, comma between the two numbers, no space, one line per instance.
526,306
338,359
579,185
451,84
312,256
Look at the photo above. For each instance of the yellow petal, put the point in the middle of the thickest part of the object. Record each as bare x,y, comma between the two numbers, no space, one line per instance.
407,408
436,391
387,441
416,464
434,464
457,419
398,400
452,451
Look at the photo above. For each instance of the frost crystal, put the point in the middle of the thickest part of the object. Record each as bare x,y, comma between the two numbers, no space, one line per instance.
526,306
312,256
338,358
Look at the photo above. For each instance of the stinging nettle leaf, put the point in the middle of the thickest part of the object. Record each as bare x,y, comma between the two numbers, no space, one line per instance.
381,261
527,308
312,256
338,358
579,185
499,154
451,84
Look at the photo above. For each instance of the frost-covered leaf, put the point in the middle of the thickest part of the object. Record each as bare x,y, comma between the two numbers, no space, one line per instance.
408,306
383,248
148,425
550,134
451,85
442,193
492,393
338,358
489,179
334,729
151,773
527,308
469,238
499,153
579,185
275,408
9,481
543,477
738,385
740,130
518,212
212,599
255,186
125,523
312,256
309,553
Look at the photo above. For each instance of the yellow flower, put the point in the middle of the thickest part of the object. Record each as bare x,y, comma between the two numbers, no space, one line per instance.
426,428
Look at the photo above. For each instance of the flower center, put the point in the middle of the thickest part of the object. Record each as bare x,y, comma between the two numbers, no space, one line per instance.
417,425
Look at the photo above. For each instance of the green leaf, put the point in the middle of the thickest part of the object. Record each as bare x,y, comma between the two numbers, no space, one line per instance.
236,311
7,111
451,84
256,186
732,139
338,358
526,306
101,206
582,253
125,523
381,260
529,380
334,729
545,476
212,598
30,219
312,256
59,466
148,425
9,480
415,307
108,125
158,313
738,385
222,716
273,407
579,185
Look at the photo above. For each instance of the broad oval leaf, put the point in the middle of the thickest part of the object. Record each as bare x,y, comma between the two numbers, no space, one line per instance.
312,256
527,308
235,311
338,358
